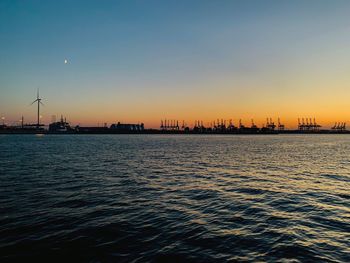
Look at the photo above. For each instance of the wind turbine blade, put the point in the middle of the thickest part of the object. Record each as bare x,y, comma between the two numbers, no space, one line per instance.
42,103
34,102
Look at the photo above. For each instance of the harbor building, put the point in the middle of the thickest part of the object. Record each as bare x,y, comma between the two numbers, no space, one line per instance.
127,127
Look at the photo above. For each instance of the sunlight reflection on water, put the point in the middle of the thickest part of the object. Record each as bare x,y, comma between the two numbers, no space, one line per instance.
201,198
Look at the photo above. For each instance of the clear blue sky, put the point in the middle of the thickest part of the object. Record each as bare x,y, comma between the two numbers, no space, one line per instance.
147,60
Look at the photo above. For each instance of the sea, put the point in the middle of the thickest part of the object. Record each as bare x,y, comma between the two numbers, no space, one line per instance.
175,198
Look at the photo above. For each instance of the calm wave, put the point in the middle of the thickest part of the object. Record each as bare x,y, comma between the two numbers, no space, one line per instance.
137,198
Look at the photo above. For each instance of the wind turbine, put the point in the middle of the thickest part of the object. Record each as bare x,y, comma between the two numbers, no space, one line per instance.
38,100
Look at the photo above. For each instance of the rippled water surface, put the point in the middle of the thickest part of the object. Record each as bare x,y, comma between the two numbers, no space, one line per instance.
136,198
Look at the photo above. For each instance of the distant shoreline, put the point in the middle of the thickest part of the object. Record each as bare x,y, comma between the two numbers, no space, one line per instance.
159,132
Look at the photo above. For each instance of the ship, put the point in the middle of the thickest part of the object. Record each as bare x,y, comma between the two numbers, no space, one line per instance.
61,126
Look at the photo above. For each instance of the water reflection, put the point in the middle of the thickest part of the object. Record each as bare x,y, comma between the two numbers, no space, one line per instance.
202,198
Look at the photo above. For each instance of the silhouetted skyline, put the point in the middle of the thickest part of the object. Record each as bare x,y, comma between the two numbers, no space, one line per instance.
102,61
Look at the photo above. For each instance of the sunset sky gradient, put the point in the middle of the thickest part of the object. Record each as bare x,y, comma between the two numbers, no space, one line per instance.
142,61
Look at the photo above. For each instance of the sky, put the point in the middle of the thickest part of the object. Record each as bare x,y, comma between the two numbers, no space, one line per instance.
143,61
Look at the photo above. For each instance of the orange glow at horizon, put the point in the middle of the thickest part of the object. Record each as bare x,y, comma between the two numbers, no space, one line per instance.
177,61
327,107
152,120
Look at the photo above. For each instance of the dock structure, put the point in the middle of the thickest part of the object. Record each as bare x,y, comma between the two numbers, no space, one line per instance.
127,127
169,125
231,127
253,125
280,126
307,124
228,127
199,127
241,125
339,126
270,125
219,126
254,128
